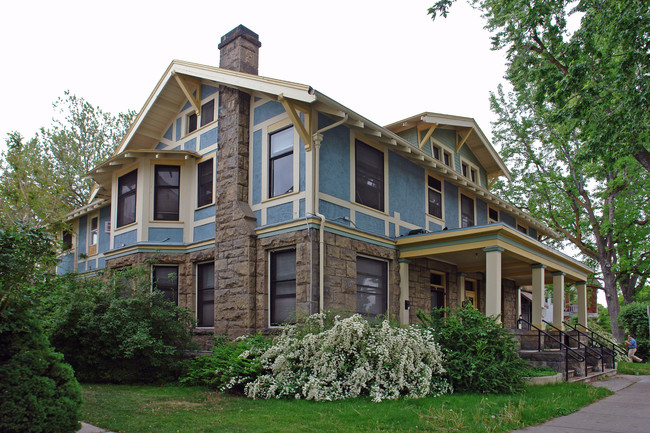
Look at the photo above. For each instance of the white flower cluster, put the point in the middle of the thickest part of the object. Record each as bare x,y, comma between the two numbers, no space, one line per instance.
350,359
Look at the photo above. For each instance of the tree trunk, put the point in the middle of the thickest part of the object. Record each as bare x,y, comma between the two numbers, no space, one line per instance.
613,306
628,288
643,156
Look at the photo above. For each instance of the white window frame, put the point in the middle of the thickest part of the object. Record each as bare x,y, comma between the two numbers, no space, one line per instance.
492,220
353,173
433,287
442,196
471,168
460,208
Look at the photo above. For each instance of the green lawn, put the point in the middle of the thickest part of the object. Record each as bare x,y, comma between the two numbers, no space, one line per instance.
633,368
160,409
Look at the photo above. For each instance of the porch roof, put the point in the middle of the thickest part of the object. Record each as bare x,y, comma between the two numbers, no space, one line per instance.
464,249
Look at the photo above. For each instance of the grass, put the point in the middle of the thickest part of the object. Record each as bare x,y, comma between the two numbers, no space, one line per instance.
637,369
162,409
540,371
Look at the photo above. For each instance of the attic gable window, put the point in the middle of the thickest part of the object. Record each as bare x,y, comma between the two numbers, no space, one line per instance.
204,182
469,171
207,116
126,198
369,176
166,192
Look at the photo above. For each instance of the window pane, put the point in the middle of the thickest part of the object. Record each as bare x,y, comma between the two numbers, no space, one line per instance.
167,189
205,182
435,203
369,176
191,122
281,175
435,184
447,160
205,294
436,279
283,286
372,287
166,281
493,214
281,142
467,211
167,175
437,299
207,113
436,153
126,198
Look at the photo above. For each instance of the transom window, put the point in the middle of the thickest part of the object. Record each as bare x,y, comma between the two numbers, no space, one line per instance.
369,176
434,191
167,192
165,279
283,287
126,198
281,162
204,182
372,287
205,294
207,116
466,211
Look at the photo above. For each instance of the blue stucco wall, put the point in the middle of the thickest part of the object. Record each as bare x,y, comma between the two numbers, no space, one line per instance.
91,265
204,232
190,145
168,134
257,166
101,263
104,238
369,224
433,227
508,219
334,170
66,264
406,190
266,111
451,205
206,212
179,122
160,145
410,135
207,90
81,267
208,138
125,239
280,213
481,212
333,211
169,235
82,235
301,208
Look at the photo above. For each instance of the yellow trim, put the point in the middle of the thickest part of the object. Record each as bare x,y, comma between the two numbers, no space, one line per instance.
170,247
184,82
290,108
428,135
279,197
459,145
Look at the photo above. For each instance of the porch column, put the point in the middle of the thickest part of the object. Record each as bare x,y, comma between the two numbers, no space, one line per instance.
538,294
493,281
404,291
558,299
461,288
581,288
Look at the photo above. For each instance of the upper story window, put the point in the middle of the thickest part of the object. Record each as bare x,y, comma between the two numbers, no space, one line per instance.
469,171
207,116
281,162
372,287
126,198
165,279
466,211
67,241
434,191
447,159
205,294
441,155
369,176
283,286
166,192
522,228
204,182
493,215
94,230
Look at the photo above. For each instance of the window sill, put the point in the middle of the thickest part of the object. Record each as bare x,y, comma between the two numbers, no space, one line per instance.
129,225
435,218
371,209
204,206
189,134
165,221
277,197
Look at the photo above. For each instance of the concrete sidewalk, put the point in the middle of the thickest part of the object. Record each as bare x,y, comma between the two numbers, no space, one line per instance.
625,411
87,428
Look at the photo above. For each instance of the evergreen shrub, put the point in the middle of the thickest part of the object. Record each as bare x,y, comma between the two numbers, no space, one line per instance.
480,354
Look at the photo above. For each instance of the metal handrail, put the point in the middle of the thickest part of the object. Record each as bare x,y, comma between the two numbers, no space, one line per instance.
615,346
567,352
588,350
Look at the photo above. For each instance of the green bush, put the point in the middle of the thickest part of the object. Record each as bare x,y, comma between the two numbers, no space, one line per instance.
480,354
109,337
634,318
230,366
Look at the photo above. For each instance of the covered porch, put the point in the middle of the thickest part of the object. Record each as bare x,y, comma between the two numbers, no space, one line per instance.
486,266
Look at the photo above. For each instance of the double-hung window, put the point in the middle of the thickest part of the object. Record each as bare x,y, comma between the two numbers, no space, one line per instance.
94,230
466,211
281,162
438,292
165,279
283,286
369,176
207,116
434,191
372,287
205,180
205,294
126,198
166,192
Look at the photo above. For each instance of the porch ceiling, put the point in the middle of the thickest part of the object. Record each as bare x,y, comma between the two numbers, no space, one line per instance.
464,249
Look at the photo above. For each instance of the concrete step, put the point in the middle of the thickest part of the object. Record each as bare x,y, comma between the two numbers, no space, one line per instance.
593,376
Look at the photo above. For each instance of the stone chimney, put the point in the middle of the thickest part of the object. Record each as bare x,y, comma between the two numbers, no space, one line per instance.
239,50
235,240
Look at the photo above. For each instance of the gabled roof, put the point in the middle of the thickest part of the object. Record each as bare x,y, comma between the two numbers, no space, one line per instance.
469,134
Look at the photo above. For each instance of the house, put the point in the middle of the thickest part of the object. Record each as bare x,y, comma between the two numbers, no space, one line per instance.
260,199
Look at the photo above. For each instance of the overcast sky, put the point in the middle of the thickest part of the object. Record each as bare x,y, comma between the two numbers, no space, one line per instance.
386,60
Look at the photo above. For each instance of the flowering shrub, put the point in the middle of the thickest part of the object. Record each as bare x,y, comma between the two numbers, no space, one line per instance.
231,364
349,359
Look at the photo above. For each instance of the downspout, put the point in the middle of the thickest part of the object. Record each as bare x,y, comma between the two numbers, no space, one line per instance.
317,138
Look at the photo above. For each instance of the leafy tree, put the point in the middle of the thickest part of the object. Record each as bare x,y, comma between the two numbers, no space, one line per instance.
572,128
85,137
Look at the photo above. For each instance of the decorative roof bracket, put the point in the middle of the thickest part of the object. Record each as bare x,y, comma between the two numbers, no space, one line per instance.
190,87
463,139
290,108
428,135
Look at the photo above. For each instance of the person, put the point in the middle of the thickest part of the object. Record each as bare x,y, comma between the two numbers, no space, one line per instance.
631,346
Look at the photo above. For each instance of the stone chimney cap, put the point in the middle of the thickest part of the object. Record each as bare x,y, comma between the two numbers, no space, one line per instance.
240,31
